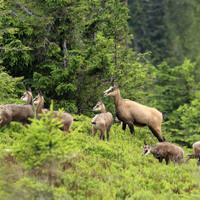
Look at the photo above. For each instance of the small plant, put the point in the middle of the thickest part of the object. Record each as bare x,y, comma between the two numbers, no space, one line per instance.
41,144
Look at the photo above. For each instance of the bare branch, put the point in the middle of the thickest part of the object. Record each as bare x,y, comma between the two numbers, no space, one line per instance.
15,49
24,9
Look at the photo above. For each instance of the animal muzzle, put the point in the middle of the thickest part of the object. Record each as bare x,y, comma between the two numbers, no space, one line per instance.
142,154
94,109
22,98
105,94
35,99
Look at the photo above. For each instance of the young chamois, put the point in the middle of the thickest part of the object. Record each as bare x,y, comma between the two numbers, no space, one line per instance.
196,154
135,114
164,150
18,112
66,118
102,121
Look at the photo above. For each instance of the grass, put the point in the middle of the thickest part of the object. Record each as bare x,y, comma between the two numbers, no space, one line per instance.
94,169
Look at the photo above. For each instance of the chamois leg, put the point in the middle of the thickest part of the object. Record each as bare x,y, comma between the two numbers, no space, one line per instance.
124,126
5,120
67,126
108,131
1,123
131,127
94,130
160,160
198,162
189,156
167,160
68,129
101,135
157,133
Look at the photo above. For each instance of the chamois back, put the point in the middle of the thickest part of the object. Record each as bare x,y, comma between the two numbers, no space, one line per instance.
165,150
196,154
102,121
135,114
66,118
17,112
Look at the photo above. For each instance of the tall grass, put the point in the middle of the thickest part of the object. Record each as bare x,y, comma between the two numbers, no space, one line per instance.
90,168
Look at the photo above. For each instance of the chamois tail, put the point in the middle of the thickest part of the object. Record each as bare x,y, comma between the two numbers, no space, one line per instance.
164,115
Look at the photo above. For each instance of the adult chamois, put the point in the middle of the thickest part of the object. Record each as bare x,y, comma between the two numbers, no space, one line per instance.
164,150
18,112
102,121
135,114
66,118
196,154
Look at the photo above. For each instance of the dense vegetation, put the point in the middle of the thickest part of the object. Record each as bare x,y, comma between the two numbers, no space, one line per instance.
45,163
69,50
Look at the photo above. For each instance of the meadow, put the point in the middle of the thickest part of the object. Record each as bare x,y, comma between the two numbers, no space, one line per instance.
41,162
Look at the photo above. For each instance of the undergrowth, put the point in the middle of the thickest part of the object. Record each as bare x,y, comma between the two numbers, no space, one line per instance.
38,162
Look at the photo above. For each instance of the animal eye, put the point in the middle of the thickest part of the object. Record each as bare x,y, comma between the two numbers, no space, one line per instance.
112,89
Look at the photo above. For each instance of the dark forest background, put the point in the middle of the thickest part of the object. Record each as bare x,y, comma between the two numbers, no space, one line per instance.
69,49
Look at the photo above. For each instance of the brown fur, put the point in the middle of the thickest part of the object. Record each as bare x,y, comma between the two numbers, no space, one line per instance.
66,118
135,114
102,121
18,112
196,154
165,150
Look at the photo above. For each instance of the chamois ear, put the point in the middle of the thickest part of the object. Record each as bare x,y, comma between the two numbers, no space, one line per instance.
40,93
100,100
29,89
112,80
145,142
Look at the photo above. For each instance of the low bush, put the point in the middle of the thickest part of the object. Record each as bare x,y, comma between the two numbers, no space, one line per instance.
46,163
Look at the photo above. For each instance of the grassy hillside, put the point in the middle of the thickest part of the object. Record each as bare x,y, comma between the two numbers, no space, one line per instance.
45,163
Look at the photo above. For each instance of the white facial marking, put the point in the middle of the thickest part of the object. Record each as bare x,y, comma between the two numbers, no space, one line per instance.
147,152
108,91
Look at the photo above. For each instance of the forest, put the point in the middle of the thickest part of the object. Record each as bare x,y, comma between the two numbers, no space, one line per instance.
68,50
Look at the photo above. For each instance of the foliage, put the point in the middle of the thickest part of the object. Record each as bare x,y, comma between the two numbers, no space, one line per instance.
41,142
90,168
68,57
69,50
160,27
174,86
185,126
8,89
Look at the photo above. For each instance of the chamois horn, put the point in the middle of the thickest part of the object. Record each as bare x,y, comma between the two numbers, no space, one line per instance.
29,89
40,92
112,80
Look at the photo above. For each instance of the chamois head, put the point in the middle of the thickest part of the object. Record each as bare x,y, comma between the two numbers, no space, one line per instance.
26,96
113,90
146,149
38,98
98,106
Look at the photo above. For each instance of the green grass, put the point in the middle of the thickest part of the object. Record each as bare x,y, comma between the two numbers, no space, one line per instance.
94,169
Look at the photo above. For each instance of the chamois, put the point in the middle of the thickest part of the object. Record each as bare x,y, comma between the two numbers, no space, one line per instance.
66,118
164,150
196,154
102,121
18,112
133,113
